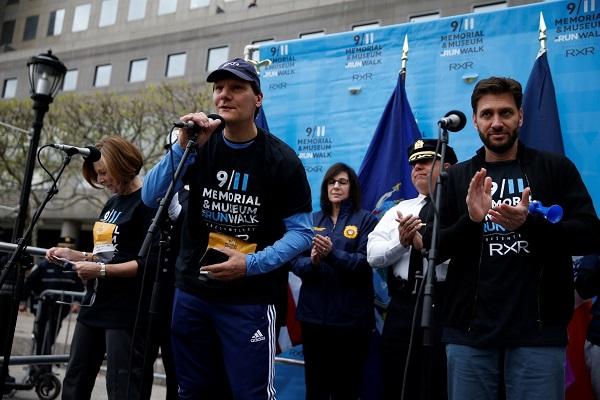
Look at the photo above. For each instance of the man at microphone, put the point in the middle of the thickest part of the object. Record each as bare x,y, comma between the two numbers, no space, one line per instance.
249,199
510,279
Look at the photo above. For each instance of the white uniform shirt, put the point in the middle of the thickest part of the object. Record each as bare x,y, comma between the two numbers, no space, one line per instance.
384,247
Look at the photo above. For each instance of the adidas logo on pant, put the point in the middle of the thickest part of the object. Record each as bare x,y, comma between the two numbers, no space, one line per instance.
257,337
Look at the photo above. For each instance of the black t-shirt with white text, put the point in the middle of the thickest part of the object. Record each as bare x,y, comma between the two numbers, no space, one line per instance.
118,236
239,198
506,309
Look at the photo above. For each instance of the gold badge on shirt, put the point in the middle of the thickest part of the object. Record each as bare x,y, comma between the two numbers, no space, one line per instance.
350,231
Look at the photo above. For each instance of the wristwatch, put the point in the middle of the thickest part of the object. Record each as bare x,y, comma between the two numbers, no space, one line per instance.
102,270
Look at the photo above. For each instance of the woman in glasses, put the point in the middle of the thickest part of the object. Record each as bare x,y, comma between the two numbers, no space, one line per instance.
105,322
335,306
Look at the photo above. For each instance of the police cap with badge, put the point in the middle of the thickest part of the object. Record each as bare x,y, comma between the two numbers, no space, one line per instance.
425,149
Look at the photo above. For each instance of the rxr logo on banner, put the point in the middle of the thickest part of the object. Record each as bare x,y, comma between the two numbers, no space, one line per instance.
586,51
460,66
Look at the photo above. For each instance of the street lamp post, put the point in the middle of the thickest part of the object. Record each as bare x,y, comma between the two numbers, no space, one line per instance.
46,73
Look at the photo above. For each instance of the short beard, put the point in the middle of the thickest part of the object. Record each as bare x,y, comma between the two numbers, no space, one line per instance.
499,148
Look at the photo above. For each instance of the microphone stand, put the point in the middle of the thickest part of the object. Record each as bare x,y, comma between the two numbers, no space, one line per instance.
19,256
427,313
153,312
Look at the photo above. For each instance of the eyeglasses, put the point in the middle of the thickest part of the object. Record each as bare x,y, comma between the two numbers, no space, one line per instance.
341,181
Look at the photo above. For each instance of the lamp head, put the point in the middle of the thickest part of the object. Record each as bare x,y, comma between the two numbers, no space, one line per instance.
46,73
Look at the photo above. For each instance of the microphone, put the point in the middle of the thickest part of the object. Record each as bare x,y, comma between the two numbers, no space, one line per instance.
453,121
192,125
90,153
553,214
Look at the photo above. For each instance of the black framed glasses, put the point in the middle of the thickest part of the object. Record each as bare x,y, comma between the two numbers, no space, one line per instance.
341,181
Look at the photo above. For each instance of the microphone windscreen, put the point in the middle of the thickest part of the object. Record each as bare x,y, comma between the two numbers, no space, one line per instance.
94,154
462,120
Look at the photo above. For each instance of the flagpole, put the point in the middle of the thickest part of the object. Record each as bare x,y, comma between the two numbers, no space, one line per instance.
428,366
543,36
404,57
539,104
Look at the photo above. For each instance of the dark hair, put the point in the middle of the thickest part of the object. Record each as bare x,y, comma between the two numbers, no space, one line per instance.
354,193
496,85
255,88
122,158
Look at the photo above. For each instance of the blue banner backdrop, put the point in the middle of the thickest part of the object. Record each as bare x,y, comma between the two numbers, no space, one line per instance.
324,96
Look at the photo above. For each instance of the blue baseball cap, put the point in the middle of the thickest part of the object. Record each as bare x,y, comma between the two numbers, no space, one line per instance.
239,68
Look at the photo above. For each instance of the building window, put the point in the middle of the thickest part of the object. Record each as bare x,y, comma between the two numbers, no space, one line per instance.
424,17
8,28
363,27
199,3
9,90
55,23
81,17
31,24
70,81
490,7
176,65
102,77
312,34
216,57
167,6
137,70
263,41
108,12
137,10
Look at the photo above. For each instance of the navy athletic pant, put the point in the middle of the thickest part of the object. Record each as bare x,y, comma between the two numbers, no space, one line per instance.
223,351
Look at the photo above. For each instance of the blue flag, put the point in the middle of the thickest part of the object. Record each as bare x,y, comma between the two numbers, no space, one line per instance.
541,124
261,120
385,173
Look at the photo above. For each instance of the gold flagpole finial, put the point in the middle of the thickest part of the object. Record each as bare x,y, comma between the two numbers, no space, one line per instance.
543,36
404,56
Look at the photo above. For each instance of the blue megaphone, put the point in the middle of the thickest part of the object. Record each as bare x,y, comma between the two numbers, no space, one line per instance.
553,214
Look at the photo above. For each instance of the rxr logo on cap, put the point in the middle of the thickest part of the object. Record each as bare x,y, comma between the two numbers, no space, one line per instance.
227,64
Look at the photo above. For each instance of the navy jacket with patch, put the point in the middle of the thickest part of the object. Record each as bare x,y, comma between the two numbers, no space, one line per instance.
338,291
